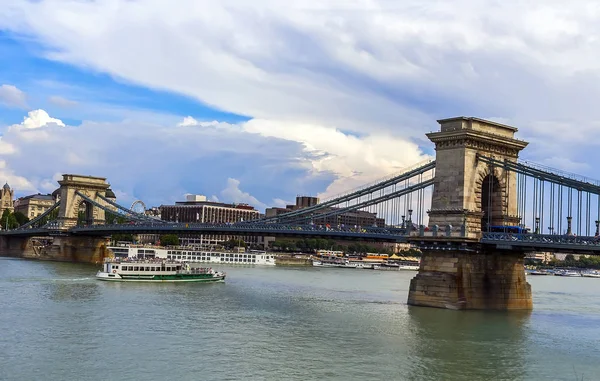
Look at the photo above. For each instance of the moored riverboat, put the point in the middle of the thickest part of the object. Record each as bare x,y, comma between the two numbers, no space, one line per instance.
538,272
115,270
193,254
568,273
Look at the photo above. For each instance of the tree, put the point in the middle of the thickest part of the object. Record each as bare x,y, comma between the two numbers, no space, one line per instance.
169,240
112,218
233,242
21,218
570,260
8,220
50,217
122,237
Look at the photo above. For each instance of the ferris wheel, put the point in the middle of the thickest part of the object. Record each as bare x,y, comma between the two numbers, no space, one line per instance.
138,206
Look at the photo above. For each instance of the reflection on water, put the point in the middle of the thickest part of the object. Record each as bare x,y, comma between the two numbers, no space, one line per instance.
469,345
59,323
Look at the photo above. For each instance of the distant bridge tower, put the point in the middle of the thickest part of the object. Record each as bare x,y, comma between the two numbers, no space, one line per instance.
460,272
71,203
465,190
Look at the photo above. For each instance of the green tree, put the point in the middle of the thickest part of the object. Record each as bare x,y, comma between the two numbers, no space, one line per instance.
570,260
53,215
8,220
234,242
21,218
169,240
122,237
113,218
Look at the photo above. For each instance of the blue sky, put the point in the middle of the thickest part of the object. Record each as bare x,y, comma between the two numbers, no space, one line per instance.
263,102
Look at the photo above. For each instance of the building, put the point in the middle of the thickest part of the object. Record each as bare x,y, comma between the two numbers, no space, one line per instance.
541,256
352,218
34,205
6,199
197,209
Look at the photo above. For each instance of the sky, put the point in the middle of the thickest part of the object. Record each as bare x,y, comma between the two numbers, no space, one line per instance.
261,101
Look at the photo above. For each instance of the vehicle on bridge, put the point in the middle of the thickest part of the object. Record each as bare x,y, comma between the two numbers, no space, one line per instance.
508,229
116,270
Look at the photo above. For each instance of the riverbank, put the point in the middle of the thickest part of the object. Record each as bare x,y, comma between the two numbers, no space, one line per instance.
292,260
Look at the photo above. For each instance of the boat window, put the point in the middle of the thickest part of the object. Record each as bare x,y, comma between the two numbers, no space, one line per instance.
148,268
136,268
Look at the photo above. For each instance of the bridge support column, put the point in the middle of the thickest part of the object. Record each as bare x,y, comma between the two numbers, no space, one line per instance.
62,249
489,280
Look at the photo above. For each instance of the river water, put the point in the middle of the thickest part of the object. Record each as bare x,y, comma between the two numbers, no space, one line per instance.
58,323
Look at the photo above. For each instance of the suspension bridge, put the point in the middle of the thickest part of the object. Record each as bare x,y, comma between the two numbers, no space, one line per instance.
474,211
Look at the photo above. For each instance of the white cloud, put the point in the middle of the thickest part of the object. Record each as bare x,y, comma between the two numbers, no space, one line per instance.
6,148
16,182
11,96
233,193
62,102
36,119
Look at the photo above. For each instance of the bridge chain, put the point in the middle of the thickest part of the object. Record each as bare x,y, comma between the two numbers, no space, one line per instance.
364,204
130,216
351,196
40,217
129,211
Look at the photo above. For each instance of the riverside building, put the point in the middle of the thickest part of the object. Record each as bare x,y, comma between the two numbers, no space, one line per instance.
355,217
197,209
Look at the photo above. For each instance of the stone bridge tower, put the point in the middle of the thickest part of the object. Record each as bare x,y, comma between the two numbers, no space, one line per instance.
461,272
71,203
467,190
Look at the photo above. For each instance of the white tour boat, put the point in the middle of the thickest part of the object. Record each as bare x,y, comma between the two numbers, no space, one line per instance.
116,270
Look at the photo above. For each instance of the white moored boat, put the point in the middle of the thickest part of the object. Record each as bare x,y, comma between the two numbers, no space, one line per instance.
115,270
191,254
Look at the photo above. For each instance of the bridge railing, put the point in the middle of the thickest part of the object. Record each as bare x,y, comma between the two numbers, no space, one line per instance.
235,228
546,239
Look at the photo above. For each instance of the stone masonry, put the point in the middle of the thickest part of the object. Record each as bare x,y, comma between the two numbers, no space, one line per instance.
459,176
70,201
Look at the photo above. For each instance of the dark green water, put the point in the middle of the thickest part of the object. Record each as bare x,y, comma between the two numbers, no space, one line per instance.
58,323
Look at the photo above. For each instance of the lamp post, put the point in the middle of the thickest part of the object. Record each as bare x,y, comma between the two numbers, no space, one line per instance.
569,222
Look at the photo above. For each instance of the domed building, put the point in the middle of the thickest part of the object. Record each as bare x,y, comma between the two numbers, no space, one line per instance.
6,199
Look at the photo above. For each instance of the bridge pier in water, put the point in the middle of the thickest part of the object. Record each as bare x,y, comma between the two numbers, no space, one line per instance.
57,248
484,280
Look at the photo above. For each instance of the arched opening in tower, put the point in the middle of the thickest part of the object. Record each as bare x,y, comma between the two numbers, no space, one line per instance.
85,214
491,203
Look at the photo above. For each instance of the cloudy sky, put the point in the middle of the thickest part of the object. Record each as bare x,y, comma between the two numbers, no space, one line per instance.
260,101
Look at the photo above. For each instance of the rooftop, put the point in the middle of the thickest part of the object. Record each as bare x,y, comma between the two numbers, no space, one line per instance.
190,204
38,196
